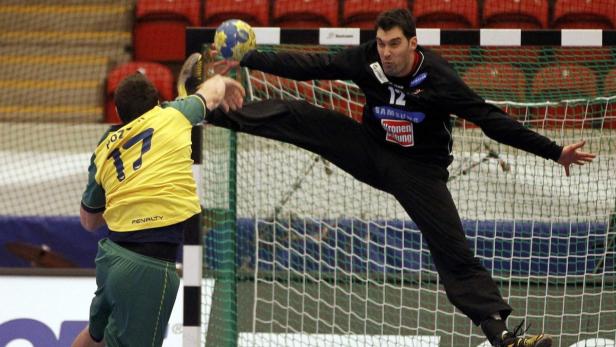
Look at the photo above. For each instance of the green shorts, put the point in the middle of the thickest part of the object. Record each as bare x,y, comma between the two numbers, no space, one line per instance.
134,297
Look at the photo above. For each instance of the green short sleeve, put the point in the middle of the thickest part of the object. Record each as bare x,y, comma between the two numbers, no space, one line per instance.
192,107
93,198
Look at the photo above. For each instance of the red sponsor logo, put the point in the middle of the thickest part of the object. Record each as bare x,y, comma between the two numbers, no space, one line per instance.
398,131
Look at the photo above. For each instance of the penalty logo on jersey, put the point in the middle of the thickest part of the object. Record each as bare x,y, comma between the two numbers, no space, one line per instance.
399,131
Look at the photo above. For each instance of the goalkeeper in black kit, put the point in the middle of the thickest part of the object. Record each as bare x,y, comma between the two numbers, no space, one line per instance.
403,146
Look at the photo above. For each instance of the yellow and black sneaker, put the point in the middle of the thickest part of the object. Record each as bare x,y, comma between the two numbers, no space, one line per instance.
509,339
189,77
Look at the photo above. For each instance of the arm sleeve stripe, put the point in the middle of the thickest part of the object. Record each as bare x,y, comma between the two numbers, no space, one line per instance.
203,102
92,209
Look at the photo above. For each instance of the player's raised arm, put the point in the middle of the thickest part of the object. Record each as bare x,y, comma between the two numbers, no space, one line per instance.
222,91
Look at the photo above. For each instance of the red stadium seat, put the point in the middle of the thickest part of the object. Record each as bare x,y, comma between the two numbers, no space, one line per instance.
609,89
270,86
455,54
258,83
305,13
498,82
522,14
524,55
160,75
343,98
560,83
566,81
159,28
446,14
363,13
584,14
253,12
598,56
609,85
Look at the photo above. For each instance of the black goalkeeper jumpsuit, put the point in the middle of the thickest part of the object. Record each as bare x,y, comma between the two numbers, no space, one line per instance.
403,146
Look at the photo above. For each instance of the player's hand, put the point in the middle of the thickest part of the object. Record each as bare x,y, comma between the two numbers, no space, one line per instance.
572,155
222,91
234,94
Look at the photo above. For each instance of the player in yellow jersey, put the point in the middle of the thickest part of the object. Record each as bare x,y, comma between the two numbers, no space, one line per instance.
141,185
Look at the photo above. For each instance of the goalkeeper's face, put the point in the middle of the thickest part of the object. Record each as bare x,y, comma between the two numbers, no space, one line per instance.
397,52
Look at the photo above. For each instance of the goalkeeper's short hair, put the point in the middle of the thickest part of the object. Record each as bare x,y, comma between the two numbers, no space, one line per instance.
398,17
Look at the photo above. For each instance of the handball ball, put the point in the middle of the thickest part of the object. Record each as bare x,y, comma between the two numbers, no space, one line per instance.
234,38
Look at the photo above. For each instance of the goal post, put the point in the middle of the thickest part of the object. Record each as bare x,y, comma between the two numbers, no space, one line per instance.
322,259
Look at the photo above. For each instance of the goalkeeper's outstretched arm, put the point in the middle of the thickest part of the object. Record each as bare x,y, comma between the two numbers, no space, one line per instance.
572,154
344,65
461,100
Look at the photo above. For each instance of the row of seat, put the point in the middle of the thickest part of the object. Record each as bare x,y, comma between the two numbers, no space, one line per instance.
493,80
528,57
361,13
160,25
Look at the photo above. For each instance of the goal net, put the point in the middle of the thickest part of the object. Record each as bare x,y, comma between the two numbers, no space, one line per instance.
324,260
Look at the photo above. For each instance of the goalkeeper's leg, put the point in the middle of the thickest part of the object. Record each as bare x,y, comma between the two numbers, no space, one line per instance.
334,136
422,191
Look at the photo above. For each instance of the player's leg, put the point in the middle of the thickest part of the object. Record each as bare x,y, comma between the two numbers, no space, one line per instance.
143,290
93,334
84,339
335,137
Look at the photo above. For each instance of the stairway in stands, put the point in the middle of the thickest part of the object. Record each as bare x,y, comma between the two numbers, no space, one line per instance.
54,56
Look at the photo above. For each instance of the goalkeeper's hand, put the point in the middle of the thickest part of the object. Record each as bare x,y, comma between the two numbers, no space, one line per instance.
572,155
221,67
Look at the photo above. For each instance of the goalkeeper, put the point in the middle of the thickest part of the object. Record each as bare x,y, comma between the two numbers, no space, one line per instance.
403,146
141,185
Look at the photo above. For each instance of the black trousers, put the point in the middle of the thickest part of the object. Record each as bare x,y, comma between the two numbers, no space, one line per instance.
420,188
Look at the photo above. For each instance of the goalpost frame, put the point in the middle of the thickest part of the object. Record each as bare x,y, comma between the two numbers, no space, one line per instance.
197,37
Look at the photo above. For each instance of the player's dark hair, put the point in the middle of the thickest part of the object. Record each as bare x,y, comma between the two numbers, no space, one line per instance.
135,96
399,17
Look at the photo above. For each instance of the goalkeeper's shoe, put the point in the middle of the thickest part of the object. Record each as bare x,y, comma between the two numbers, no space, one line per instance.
540,340
190,75
509,339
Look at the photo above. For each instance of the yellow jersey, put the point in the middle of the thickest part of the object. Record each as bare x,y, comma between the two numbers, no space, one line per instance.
143,170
